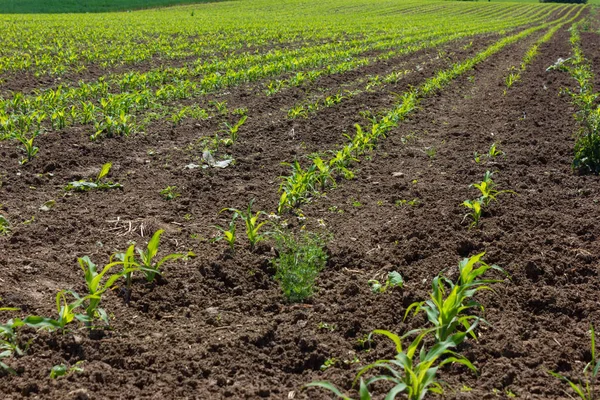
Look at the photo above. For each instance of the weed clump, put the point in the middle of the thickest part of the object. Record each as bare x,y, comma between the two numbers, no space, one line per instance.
298,263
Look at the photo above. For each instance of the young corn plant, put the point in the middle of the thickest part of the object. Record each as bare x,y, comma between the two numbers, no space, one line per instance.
232,130
487,188
489,193
86,185
4,225
229,233
9,343
450,303
148,262
511,79
323,173
129,267
97,287
178,116
584,388
66,311
297,111
274,87
412,371
340,162
169,193
475,207
251,222
219,106
28,147
494,151
296,187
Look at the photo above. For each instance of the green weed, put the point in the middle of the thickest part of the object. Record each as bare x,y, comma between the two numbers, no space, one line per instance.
170,193
394,279
298,263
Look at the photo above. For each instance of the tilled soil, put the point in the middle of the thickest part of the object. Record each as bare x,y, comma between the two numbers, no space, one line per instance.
217,326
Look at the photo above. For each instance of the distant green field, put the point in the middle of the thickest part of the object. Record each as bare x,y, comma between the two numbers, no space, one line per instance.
82,6
597,2
95,6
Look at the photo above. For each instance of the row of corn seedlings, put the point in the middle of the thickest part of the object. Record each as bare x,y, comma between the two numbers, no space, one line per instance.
113,113
586,157
451,312
304,183
73,307
31,44
310,76
515,73
305,108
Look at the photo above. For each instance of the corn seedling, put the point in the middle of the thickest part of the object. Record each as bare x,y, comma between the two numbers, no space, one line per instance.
584,388
340,162
129,267
298,263
394,279
59,119
326,326
489,193
8,340
431,152
475,207
148,262
297,111
229,234
330,362
412,371
323,173
487,188
4,225
296,187
96,287
219,106
85,185
494,152
274,87
178,116
511,79
251,222
232,130
403,202
169,193
241,111
28,147
450,302
66,311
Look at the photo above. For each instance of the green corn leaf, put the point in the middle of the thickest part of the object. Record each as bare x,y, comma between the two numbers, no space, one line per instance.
104,171
330,387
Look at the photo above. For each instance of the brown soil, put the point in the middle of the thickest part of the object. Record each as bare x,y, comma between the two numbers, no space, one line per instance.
218,327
